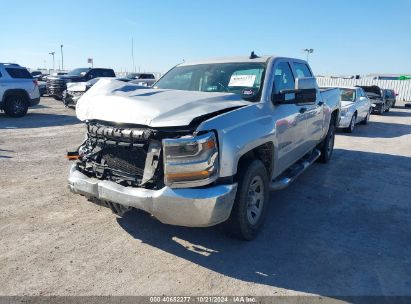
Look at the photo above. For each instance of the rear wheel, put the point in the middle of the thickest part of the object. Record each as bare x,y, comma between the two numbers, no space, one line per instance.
327,146
250,206
16,105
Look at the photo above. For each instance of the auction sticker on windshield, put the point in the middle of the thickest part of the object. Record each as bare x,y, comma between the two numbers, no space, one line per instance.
242,81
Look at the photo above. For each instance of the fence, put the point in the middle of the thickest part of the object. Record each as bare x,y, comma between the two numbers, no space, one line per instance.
401,87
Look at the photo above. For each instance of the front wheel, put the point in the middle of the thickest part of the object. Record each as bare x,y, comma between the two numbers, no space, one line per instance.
250,205
381,110
351,127
367,118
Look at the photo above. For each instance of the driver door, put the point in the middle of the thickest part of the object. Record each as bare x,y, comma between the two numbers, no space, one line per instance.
289,119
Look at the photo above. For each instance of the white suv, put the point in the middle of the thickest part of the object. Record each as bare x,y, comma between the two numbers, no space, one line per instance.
18,90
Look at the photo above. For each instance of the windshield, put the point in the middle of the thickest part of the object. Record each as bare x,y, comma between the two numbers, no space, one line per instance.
78,72
216,77
347,95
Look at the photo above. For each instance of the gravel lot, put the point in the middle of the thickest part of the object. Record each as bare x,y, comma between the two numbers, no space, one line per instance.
340,229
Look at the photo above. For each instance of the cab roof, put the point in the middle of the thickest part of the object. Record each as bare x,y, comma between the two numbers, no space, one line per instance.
245,59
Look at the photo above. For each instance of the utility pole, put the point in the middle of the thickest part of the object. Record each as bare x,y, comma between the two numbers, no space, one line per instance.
132,54
308,51
52,54
62,61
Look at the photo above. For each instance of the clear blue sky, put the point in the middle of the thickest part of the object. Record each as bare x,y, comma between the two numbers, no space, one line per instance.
349,37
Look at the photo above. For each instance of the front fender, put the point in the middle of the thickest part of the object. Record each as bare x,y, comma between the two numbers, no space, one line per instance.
240,131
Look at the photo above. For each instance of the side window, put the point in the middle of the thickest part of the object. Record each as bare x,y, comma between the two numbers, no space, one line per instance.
107,73
360,93
302,70
283,78
19,73
91,75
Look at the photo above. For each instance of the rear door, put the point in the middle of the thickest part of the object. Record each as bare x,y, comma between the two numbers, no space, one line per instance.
314,112
289,118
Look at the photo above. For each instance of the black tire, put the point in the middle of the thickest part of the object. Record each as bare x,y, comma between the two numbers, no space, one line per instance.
387,109
351,127
327,145
16,105
242,224
59,98
366,119
381,110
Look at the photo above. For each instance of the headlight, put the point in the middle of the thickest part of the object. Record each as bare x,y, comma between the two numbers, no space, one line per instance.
190,161
344,111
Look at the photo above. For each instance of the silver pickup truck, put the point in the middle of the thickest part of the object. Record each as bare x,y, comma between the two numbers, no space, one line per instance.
206,143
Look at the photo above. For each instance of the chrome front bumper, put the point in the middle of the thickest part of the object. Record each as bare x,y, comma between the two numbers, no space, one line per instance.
200,207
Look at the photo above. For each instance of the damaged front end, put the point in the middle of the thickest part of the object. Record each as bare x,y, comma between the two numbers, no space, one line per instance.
127,156
148,158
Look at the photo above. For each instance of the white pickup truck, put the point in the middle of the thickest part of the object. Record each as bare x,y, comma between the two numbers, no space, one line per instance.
207,142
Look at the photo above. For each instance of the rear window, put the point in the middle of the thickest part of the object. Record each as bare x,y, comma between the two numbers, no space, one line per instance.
19,73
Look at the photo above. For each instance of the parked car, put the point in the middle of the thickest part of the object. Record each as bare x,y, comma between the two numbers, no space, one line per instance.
145,79
207,143
18,90
77,89
380,103
355,108
390,97
36,74
56,85
42,87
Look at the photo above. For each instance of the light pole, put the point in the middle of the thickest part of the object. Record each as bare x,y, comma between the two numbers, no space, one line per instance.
52,54
309,51
62,61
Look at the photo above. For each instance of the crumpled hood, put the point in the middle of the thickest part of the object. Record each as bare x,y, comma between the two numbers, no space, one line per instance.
116,101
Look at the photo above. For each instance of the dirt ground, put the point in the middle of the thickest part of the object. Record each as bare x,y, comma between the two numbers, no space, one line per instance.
341,229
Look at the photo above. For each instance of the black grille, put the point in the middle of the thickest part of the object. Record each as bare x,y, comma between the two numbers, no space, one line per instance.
55,86
127,160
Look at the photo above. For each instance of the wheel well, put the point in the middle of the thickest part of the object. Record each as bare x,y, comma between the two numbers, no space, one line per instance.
9,93
334,116
263,153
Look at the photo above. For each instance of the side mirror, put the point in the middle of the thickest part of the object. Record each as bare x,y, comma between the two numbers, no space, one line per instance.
305,92
362,99
306,83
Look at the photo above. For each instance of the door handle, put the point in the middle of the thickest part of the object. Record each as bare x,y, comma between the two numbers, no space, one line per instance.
302,110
